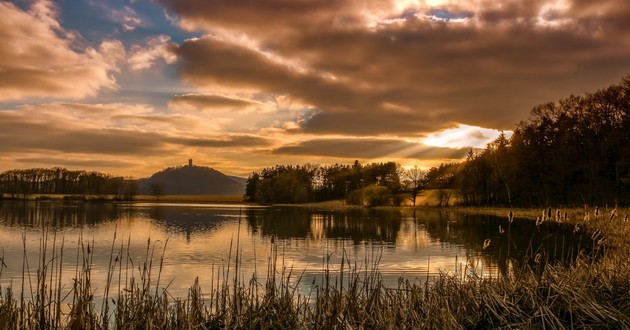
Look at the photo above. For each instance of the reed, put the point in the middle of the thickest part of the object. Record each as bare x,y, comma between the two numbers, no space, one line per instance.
592,292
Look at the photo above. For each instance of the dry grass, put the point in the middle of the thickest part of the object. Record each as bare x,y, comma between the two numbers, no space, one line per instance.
591,293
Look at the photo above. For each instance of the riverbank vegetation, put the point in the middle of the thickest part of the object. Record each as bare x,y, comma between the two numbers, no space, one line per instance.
46,183
591,292
570,152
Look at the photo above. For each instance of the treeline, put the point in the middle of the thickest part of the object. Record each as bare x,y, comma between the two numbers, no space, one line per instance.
572,152
575,151
20,183
372,184
375,184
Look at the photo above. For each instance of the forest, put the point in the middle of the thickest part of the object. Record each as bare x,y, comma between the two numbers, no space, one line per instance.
575,151
19,183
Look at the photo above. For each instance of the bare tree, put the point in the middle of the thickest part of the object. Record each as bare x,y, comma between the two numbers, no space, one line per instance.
157,189
414,182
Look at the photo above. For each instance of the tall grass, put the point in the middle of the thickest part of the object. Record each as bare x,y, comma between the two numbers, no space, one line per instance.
590,293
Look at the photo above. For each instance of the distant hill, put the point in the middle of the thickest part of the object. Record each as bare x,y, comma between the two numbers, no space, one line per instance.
193,180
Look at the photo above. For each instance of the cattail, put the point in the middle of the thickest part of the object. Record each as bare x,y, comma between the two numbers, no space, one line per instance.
558,215
549,213
486,243
596,211
501,231
544,214
566,216
511,216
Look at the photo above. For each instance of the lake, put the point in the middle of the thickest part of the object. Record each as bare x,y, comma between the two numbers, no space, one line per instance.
201,240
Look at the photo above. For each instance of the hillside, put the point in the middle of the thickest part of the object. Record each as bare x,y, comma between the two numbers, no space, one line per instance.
193,180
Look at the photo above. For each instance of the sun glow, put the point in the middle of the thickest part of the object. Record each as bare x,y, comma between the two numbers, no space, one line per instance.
463,136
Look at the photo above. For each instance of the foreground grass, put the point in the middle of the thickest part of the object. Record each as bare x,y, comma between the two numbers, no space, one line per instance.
591,293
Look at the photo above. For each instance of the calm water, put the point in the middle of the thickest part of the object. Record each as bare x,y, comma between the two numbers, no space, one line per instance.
200,239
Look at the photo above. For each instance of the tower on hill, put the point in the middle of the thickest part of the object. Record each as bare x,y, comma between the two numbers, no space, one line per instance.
190,162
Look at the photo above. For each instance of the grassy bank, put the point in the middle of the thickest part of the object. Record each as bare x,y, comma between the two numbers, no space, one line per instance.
591,293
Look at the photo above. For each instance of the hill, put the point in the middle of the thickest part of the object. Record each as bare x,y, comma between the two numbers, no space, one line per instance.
193,180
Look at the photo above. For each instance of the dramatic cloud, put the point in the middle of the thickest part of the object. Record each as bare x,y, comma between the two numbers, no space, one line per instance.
39,58
370,149
463,136
110,136
29,134
245,84
409,68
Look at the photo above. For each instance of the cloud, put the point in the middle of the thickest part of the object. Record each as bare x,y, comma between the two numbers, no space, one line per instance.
463,136
39,58
200,101
352,108
224,142
406,68
74,162
33,134
114,135
144,56
245,113
127,18
369,148
108,129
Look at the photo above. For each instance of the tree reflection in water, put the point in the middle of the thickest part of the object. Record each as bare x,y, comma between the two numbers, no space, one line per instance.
418,234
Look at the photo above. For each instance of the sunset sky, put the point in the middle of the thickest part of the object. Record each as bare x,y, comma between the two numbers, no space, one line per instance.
129,87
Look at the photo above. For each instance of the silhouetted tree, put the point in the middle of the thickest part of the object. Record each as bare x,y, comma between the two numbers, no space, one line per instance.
414,182
23,182
157,189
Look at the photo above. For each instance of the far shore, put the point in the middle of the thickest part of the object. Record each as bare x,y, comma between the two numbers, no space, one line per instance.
214,199
532,213
573,213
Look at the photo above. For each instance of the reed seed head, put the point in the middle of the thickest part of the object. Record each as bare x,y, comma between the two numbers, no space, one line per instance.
486,243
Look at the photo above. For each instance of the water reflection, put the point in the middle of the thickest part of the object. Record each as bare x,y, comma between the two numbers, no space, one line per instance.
60,214
511,245
414,244
357,225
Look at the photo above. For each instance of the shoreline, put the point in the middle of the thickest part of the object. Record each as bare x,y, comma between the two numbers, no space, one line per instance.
520,212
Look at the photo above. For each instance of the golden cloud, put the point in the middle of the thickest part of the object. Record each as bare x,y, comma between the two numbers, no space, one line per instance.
38,58
409,67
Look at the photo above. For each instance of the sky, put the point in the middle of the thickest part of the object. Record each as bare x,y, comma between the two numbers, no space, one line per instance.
130,87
